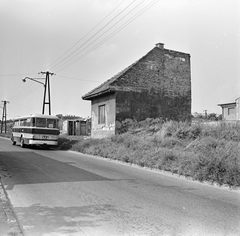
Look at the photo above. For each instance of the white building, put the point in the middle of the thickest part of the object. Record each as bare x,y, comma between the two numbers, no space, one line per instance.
231,110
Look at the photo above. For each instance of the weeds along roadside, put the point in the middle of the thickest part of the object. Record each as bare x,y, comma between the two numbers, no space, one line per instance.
201,151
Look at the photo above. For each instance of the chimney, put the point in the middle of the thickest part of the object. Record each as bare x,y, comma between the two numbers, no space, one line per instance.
160,45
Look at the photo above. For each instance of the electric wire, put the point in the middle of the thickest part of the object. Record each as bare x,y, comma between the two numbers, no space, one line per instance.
32,87
92,37
19,74
19,92
86,34
101,34
77,78
109,36
25,91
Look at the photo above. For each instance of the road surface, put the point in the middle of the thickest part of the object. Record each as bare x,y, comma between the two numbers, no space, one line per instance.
67,193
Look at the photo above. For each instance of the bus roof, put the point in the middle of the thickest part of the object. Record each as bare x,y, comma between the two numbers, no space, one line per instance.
36,116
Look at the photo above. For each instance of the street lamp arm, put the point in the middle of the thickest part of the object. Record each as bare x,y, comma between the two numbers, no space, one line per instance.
24,80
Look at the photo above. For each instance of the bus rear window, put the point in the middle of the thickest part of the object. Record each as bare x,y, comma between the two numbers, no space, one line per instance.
40,122
51,123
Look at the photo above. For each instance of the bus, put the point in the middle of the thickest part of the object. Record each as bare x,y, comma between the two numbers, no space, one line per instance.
35,129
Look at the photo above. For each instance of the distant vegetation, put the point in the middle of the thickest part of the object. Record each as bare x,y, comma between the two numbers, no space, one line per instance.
202,151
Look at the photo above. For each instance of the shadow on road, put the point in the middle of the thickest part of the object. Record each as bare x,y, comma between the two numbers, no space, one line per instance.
32,168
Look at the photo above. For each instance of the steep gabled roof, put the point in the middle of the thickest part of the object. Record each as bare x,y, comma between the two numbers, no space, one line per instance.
106,86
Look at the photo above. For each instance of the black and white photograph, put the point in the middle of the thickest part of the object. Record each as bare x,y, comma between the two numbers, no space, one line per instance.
120,118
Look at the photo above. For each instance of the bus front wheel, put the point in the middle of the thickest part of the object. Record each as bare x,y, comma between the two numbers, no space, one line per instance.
13,142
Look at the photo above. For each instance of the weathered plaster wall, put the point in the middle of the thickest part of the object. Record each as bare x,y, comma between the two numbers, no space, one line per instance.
107,129
141,105
159,85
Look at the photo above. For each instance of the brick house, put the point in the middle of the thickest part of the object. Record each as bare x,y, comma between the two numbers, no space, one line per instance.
231,110
156,85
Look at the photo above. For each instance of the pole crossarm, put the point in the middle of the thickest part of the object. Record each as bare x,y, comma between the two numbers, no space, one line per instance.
46,72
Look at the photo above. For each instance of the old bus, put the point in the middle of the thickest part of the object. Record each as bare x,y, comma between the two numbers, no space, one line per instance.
35,130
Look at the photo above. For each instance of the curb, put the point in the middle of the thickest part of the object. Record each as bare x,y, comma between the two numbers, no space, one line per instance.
12,221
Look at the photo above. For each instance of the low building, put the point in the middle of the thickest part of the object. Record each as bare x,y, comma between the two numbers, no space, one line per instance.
76,127
156,85
231,110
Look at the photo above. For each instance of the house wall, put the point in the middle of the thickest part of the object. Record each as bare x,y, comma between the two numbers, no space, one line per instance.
225,112
159,85
107,129
65,127
142,105
238,109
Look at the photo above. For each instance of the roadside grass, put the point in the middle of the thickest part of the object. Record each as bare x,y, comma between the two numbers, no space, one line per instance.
202,151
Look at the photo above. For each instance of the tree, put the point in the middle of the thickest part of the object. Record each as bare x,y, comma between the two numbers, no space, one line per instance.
212,116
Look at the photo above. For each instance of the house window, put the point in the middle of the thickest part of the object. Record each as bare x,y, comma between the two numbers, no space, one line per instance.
101,114
231,111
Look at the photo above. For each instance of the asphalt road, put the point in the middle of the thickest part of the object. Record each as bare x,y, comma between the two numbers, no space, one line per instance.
67,193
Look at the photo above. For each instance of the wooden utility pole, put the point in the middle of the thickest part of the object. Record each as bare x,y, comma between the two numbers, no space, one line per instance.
205,113
46,87
4,116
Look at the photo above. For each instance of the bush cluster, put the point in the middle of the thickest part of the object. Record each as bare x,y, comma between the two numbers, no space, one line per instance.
204,152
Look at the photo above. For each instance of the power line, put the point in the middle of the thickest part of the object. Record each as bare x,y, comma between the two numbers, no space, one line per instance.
18,74
21,92
102,33
87,34
24,92
67,77
59,63
112,34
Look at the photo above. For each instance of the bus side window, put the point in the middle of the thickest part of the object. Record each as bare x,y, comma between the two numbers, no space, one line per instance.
16,123
28,122
33,122
25,122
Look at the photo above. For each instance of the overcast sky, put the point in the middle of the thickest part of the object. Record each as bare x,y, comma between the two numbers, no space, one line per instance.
87,42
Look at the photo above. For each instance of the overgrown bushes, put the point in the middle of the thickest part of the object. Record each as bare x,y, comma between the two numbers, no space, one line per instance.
204,152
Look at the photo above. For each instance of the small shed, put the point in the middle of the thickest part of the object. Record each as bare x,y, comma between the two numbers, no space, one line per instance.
231,110
76,127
